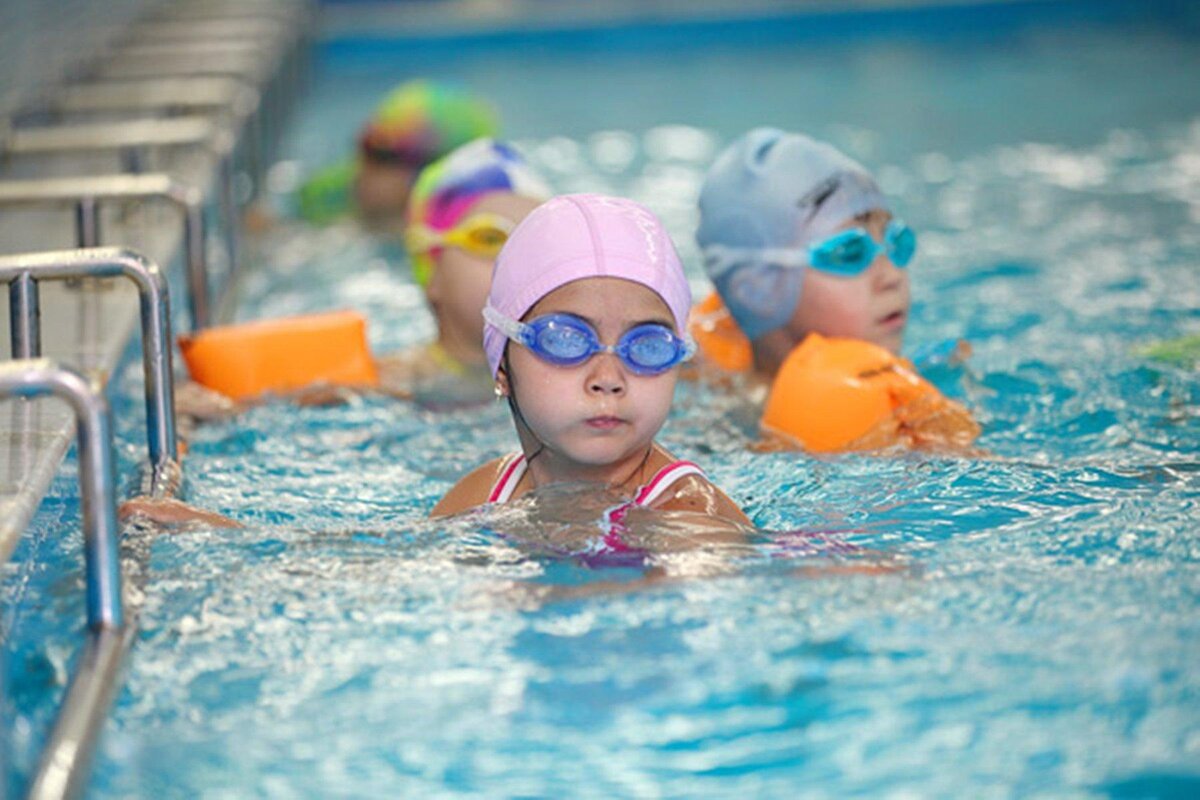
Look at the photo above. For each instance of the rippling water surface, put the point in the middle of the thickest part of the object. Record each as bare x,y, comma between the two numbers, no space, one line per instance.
1018,624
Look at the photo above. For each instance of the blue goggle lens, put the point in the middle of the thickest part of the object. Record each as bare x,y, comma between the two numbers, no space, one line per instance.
902,243
566,341
850,252
650,348
561,342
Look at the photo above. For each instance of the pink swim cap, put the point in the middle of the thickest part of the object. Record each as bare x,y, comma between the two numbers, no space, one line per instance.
578,236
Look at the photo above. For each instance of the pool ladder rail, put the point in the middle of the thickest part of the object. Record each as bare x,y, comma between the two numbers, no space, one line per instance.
130,139
88,192
63,766
22,274
214,77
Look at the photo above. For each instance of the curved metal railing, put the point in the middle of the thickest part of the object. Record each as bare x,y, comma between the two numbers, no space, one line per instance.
85,193
67,754
255,105
22,273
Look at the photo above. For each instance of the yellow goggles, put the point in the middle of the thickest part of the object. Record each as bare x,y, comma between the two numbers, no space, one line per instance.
480,234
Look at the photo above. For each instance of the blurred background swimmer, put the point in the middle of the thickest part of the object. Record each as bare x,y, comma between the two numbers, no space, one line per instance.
417,123
585,333
463,208
809,265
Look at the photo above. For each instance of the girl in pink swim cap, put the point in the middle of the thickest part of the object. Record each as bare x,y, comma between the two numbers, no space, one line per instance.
584,334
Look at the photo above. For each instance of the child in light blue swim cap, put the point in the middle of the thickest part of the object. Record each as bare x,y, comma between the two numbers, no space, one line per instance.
799,239
810,263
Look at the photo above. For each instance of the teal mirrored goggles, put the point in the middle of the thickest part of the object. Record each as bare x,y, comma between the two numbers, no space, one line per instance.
846,253
567,341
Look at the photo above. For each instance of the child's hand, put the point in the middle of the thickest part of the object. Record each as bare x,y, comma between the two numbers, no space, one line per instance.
172,512
200,402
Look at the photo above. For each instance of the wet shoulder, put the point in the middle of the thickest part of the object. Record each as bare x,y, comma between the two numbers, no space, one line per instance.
472,490
696,493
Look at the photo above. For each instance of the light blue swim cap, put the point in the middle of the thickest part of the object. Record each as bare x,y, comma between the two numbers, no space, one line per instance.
769,193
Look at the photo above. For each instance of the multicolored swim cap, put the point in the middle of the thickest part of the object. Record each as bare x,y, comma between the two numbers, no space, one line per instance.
421,120
579,236
449,187
771,189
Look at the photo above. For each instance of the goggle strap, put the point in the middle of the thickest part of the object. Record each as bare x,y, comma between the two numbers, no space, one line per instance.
513,329
421,238
722,259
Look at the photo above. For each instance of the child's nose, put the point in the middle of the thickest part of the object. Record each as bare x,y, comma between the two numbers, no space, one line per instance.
885,274
606,376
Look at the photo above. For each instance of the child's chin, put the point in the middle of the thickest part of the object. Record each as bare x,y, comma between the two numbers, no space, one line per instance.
891,340
601,453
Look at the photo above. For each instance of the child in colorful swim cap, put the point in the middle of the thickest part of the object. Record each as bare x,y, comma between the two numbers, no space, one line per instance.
584,335
802,247
416,123
462,210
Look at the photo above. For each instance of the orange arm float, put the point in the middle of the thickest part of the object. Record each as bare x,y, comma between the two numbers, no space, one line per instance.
719,339
844,394
281,355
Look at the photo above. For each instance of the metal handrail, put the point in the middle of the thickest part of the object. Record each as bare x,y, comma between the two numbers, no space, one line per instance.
86,192
222,94
237,48
41,377
130,137
243,28
244,64
22,273
202,91
281,13
62,769
99,136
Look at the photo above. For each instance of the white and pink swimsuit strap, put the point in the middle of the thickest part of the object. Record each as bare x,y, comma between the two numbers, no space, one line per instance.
664,479
515,465
510,475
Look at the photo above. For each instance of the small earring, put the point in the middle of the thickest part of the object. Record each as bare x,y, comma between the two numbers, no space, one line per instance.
498,391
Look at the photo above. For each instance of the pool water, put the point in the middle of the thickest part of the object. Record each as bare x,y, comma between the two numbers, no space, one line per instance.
1039,636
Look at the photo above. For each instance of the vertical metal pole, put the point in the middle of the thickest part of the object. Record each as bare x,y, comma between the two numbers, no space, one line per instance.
98,508
132,160
229,205
24,317
87,222
155,302
197,268
97,484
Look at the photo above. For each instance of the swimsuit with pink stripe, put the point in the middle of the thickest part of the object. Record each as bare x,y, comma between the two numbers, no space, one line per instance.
515,466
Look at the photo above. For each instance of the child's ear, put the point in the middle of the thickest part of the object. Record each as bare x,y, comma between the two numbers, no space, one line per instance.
501,388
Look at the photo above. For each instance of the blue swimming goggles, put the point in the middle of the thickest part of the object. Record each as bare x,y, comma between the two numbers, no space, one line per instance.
567,341
845,254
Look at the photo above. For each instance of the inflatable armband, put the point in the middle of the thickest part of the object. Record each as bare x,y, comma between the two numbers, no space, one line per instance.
720,340
844,394
281,355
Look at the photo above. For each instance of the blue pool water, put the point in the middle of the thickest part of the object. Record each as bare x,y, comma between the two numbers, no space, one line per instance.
1040,639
